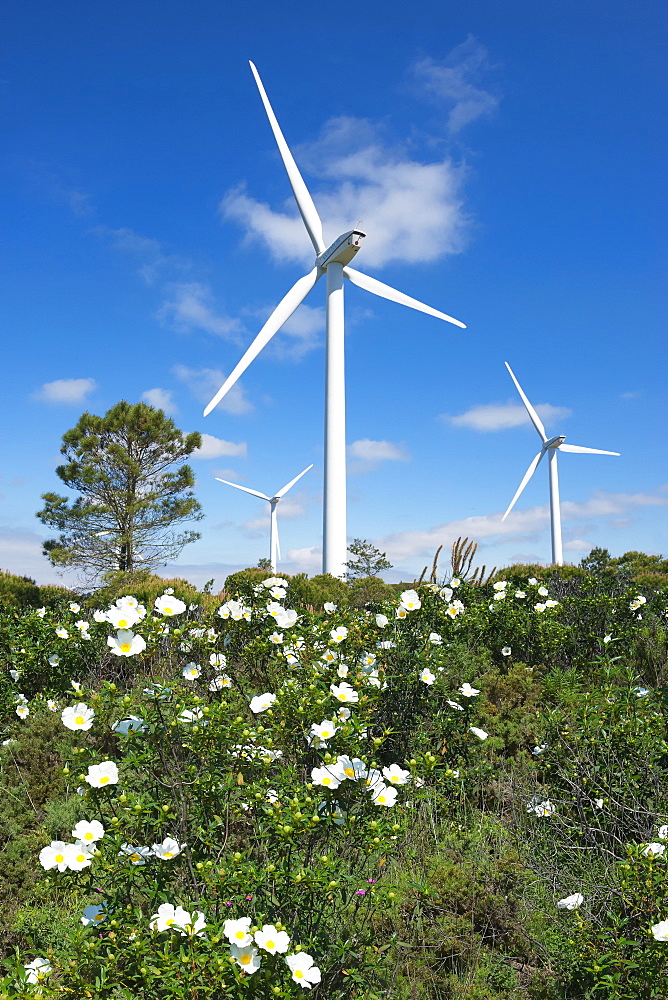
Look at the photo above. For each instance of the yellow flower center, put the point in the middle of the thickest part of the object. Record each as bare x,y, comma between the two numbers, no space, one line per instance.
342,697
88,836
98,917
79,720
59,858
104,779
169,922
381,799
326,781
126,647
349,772
270,944
167,611
240,934
122,622
169,854
298,974
134,857
245,959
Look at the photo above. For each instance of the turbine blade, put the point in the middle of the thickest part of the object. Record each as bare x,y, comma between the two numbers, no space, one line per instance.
281,313
386,292
292,482
244,488
304,201
579,450
527,476
535,419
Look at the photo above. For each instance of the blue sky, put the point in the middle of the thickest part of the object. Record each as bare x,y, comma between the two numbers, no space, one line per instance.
508,163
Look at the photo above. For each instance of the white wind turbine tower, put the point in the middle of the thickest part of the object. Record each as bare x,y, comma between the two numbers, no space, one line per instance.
552,446
332,260
274,546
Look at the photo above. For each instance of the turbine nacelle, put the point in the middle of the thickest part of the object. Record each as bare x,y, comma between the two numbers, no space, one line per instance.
555,442
342,250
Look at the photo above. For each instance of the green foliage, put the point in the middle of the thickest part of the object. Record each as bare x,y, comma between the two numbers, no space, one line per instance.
550,781
129,498
18,591
146,587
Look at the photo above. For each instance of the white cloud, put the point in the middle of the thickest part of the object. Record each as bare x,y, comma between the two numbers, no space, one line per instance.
578,545
455,81
213,447
520,524
501,416
153,260
377,451
189,308
287,510
204,383
161,399
411,210
307,560
66,390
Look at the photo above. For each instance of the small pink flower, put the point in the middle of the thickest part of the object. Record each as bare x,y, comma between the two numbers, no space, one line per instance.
360,892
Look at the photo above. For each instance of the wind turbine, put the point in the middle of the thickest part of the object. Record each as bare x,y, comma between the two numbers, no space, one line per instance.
332,260
274,547
552,446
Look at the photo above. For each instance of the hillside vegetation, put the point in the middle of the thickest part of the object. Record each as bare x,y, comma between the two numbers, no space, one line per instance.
429,792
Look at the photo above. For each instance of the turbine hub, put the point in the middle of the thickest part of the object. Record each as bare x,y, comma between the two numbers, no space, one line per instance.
342,250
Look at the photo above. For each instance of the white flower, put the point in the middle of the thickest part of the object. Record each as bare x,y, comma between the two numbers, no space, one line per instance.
506,651
78,857
455,704
169,916
133,724
455,582
303,970
62,633
330,656
344,692
598,803
445,593
435,638
88,831
653,850
640,692
261,702
272,940
247,957
276,637
74,608
410,600
286,619
41,612
480,733
329,776
339,634
660,931
102,774
123,616
520,594
168,849
220,682
383,795
539,607
274,581
453,610
637,602
342,714
52,705
100,616
539,749
54,660
342,670
396,775
14,674
467,691
329,607
76,687
37,970
77,717
499,595
278,593
544,808
663,832
191,715
168,606
126,643
94,914
137,855
22,711
501,585
352,767
427,677
192,928
325,730
542,591
218,660
551,604
191,672
238,931
368,659
571,902
382,621
607,638
401,612
54,856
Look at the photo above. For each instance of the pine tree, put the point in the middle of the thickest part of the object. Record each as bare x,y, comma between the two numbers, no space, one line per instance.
131,495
